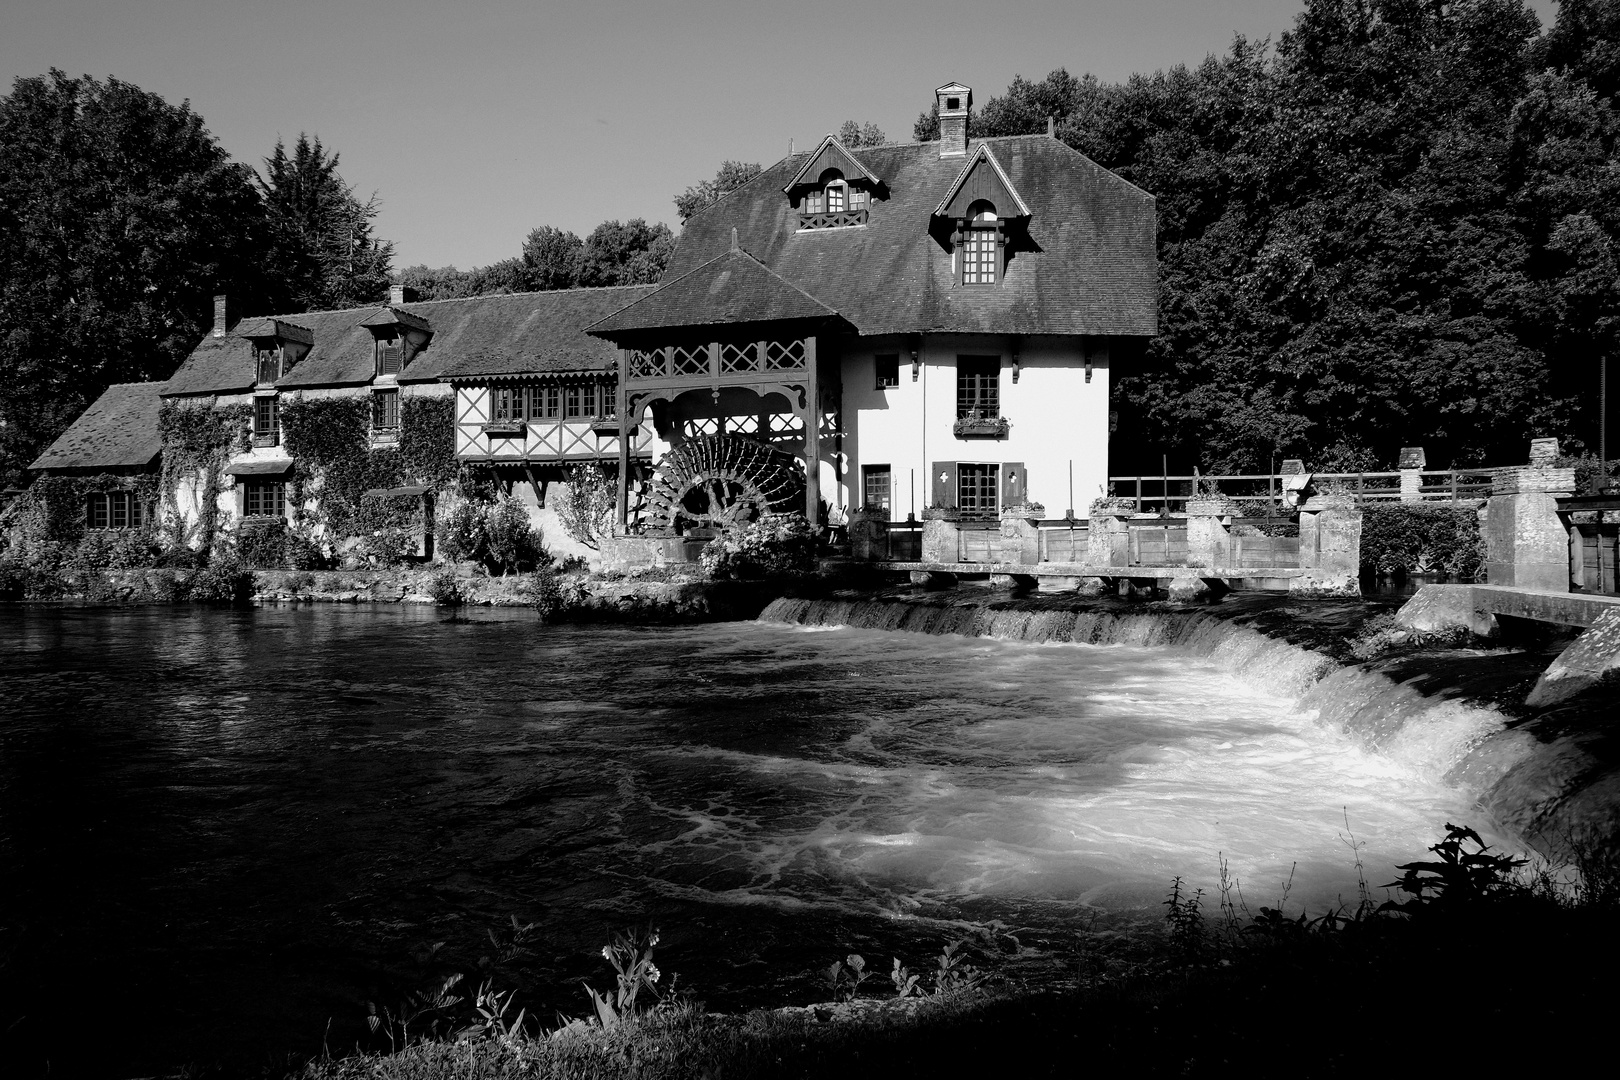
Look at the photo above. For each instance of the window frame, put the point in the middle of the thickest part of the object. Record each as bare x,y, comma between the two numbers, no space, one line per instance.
978,387
978,488
869,473
255,494
382,402
267,417
886,370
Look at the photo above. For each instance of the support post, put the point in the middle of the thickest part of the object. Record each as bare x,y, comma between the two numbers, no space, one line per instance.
812,435
623,509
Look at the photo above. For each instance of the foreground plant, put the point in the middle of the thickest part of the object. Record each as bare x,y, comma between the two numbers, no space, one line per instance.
631,954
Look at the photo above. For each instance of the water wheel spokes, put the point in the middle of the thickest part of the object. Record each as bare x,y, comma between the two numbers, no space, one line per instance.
719,481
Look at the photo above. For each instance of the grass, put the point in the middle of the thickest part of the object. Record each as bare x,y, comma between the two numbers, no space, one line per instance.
1474,966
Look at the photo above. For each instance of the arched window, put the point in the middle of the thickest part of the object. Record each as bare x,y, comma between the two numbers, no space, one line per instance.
981,245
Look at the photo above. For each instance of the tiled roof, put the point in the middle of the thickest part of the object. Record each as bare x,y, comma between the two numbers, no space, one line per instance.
731,288
551,338
118,431
539,331
1094,270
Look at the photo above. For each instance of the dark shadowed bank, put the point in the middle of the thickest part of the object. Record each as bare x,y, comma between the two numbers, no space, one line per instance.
1470,951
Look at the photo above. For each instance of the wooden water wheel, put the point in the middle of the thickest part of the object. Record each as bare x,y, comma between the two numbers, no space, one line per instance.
717,481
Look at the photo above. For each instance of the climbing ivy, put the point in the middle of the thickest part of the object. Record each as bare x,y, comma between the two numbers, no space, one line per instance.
427,440
329,440
198,439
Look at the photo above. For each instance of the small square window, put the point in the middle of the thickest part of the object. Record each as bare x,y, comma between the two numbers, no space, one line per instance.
876,490
953,103
888,370
264,498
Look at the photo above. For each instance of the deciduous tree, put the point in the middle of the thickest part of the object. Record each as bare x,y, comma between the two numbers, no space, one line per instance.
120,215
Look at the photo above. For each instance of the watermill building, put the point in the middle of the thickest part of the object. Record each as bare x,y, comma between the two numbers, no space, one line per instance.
889,327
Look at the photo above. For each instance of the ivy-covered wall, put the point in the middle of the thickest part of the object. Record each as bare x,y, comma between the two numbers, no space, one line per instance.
329,440
198,440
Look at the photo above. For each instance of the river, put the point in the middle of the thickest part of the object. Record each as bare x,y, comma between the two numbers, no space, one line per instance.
222,833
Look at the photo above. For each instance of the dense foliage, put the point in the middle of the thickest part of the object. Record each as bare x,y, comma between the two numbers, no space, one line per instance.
777,545
322,246
1396,227
119,217
1421,538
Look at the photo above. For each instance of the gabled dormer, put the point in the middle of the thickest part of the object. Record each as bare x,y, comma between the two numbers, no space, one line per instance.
984,217
277,346
397,337
833,189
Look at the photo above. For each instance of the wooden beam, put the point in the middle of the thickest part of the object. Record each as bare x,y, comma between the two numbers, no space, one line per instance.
623,511
539,492
812,435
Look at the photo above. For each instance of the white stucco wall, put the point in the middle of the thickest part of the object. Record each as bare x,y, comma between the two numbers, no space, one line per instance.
1057,418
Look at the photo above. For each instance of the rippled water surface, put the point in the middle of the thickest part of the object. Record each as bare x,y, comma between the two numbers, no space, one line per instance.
225,829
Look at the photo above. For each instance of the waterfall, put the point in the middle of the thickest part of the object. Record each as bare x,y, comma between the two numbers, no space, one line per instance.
1544,791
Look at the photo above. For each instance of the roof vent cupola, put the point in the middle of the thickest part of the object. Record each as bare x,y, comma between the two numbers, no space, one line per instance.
955,101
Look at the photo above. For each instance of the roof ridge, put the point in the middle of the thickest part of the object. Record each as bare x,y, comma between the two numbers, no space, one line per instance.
446,300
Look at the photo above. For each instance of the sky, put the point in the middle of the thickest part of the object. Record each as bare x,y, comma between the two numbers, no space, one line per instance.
476,120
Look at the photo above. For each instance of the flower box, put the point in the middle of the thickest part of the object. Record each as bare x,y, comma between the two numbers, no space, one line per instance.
981,427
505,428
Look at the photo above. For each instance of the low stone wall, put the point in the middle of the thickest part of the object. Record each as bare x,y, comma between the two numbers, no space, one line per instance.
581,597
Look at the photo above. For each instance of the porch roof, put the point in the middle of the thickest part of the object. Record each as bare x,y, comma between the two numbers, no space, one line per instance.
731,288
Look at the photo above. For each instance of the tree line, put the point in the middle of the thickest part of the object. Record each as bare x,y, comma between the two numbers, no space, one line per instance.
1397,225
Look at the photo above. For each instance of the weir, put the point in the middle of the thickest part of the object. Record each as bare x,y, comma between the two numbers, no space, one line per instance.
1552,788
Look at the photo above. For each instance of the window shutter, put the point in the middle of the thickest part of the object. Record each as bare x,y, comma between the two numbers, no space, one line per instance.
1014,484
944,481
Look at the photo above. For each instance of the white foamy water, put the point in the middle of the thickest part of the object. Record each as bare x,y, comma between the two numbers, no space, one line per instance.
1066,774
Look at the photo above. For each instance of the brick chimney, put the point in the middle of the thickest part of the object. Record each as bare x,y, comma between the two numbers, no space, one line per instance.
955,100
396,295
222,315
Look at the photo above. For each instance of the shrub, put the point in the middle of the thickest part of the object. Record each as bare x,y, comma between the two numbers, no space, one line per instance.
304,553
1421,538
223,581
550,593
776,545
513,543
262,544
462,534
445,588
587,505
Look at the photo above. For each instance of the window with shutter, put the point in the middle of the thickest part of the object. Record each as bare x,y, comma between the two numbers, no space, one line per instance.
976,490
390,357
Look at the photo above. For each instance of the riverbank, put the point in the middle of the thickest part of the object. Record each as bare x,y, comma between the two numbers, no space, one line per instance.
1359,992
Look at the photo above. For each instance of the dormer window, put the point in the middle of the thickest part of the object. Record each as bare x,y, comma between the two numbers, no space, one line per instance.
398,336
832,189
277,346
981,219
833,203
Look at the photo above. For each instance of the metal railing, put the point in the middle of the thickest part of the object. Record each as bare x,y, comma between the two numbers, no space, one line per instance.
1159,494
